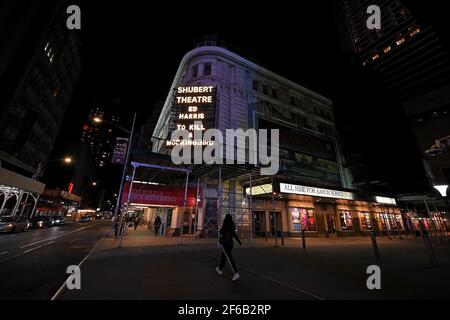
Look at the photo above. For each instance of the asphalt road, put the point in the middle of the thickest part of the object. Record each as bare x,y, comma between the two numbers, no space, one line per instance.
33,264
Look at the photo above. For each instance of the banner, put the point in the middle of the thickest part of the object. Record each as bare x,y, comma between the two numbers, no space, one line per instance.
120,151
147,194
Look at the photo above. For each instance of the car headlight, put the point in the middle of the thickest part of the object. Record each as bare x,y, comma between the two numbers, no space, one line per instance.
10,225
57,221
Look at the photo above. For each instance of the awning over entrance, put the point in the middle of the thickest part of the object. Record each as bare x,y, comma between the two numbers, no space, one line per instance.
154,195
12,179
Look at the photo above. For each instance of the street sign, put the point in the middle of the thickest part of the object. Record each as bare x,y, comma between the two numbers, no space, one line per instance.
120,151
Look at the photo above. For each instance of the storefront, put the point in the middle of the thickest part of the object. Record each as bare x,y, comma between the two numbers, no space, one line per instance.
177,207
58,203
320,212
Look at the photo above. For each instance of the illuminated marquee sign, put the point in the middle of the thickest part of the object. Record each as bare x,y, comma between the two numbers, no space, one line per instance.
316,192
263,189
194,109
385,200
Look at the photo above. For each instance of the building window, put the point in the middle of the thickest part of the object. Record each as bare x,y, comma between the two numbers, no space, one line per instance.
366,223
275,93
303,219
400,41
207,69
293,101
416,31
195,71
346,220
265,89
255,85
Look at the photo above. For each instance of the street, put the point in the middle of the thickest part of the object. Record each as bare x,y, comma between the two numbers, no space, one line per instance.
33,264
149,268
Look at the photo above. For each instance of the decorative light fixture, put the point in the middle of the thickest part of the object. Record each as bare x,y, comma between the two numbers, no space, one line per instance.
442,189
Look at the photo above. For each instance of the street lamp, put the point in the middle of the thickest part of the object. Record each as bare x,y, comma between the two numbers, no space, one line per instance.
99,120
92,184
41,166
68,160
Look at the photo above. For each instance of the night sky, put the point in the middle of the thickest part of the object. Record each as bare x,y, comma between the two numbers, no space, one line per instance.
132,51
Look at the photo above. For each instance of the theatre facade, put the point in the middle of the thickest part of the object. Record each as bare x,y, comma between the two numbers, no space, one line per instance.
312,190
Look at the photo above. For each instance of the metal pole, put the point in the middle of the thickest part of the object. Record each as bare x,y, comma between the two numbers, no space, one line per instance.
303,238
275,224
36,200
251,211
125,166
432,221
196,207
122,226
26,202
219,206
441,223
19,200
7,197
185,203
375,245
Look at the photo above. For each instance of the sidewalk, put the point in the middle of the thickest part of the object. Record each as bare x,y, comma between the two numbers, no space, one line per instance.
184,269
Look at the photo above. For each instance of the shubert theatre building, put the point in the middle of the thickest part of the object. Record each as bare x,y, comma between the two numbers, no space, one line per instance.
312,190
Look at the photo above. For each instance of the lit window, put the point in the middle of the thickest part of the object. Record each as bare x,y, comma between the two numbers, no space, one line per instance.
366,223
375,56
386,50
400,41
413,33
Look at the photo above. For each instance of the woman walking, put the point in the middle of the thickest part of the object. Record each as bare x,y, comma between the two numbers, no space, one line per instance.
227,234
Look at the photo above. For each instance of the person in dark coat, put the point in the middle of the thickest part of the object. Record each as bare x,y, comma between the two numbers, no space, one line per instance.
227,234
136,221
157,225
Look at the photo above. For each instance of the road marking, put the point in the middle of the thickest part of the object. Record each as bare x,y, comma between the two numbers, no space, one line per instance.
58,293
53,238
3,253
272,279
285,284
25,252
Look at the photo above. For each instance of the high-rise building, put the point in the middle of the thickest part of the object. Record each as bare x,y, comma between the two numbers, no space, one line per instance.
40,63
408,54
99,135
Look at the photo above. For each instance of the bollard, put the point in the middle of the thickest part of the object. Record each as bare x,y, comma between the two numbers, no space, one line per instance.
429,248
376,251
303,239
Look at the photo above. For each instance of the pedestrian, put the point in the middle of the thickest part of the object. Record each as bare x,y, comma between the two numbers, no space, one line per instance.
227,234
137,219
157,224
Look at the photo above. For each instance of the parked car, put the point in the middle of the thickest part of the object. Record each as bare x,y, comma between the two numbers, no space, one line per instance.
41,222
58,221
13,224
86,218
